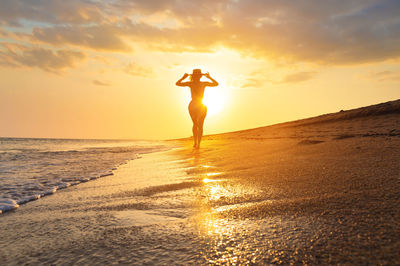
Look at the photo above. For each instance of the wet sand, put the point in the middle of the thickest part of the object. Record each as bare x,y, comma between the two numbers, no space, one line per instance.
316,191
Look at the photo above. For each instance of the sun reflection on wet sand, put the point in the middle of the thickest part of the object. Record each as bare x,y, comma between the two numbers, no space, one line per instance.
224,235
225,239
207,180
219,233
216,192
213,174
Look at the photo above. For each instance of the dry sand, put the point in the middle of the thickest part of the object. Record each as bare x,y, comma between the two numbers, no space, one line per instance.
316,191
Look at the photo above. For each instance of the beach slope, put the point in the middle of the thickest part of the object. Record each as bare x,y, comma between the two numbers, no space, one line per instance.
315,191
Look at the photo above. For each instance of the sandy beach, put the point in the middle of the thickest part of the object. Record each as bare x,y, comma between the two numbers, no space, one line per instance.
323,190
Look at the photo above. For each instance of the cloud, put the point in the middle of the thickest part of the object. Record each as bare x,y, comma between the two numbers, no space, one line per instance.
46,59
100,83
317,31
323,32
252,83
98,37
384,76
12,12
298,77
137,70
258,78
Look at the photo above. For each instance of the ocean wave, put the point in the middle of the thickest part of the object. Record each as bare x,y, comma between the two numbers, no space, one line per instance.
32,173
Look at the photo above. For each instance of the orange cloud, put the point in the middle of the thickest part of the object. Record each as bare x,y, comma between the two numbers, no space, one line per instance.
384,76
137,70
98,37
259,78
252,83
324,32
55,61
298,77
101,83
50,11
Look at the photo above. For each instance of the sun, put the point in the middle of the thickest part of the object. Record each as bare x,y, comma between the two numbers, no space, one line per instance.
214,99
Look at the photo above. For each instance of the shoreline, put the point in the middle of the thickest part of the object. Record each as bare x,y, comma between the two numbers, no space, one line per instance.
8,204
70,216
316,194
11,205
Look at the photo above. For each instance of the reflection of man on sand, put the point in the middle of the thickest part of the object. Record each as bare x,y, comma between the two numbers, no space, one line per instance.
197,109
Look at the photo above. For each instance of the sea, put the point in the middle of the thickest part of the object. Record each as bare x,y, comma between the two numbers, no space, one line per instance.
31,168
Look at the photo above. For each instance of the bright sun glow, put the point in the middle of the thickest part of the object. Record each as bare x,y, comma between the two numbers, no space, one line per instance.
214,99
207,180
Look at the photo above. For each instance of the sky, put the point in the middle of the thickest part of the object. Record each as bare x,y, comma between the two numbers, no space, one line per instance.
107,69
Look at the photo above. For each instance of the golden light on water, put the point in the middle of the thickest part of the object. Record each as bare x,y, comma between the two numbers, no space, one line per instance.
222,233
207,180
213,174
219,231
216,192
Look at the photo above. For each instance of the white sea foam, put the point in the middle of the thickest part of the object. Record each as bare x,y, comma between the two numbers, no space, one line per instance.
29,198
34,168
7,205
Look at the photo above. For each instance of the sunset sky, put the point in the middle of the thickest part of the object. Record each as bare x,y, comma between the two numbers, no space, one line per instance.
107,69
